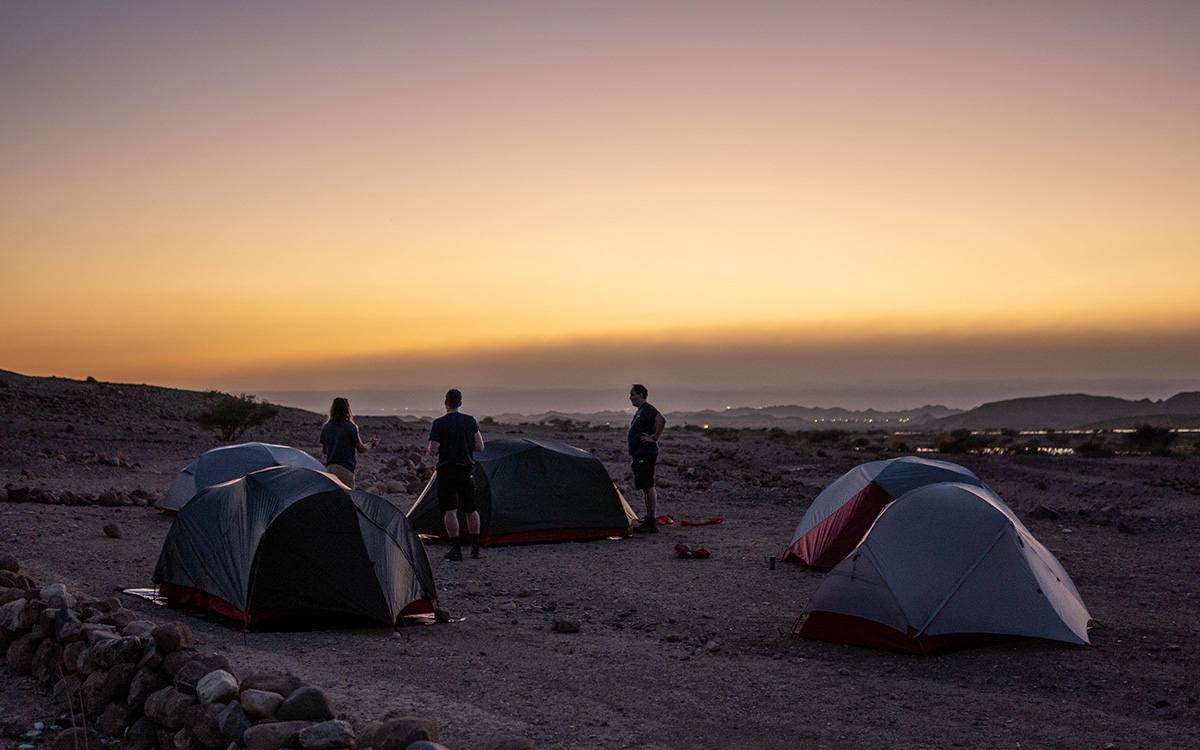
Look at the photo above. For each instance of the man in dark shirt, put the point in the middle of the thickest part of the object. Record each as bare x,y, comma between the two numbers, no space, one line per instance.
454,440
644,432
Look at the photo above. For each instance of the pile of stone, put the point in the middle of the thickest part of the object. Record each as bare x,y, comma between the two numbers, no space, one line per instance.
110,498
115,676
407,472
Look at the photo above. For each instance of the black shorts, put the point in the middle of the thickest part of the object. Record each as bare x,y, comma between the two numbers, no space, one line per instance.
643,471
456,488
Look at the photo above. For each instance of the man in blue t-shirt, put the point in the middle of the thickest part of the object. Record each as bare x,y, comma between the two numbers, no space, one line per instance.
644,432
454,440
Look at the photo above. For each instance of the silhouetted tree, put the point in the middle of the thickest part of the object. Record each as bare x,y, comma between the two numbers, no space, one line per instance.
233,415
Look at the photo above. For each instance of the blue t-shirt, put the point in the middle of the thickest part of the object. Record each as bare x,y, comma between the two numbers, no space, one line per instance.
455,435
340,441
643,424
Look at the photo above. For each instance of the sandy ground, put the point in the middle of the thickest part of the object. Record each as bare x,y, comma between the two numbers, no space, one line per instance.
672,653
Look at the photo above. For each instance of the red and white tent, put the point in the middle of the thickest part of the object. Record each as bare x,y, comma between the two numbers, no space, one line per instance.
839,518
942,566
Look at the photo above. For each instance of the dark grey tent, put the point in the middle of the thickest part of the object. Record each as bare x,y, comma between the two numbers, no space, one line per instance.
531,490
230,462
295,544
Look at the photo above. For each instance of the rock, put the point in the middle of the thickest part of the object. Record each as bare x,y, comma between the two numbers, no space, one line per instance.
141,628
234,722
107,654
1125,528
181,740
172,636
112,531
18,616
145,683
441,615
426,745
55,595
9,562
74,739
10,595
327,735
1043,513
307,704
114,720
565,625
217,686
187,676
95,633
260,703
47,665
67,627
175,660
106,685
509,742
712,647
394,732
273,682
170,707
206,729
19,656
142,734
118,618
65,695
71,654
275,735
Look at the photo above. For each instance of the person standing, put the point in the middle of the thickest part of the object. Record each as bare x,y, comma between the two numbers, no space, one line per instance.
339,438
644,432
454,440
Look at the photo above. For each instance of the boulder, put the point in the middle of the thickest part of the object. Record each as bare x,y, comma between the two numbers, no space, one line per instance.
275,735
274,682
114,720
112,531
217,686
234,722
145,683
107,654
394,732
10,563
18,616
73,739
19,656
260,703
307,704
65,696
47,666
95,633
141,628
71,654
10,594
106,685
426,745
172,636
118,618
202,663
170,707
142,734
206,729
327,735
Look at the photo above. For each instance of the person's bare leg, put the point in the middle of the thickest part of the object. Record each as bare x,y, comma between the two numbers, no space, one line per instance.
473,530
651,497
452,529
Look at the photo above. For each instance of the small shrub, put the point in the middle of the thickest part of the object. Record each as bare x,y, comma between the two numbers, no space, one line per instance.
233,415
1156,441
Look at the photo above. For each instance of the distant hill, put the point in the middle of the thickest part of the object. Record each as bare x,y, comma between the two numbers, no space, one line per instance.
1077,411
784,417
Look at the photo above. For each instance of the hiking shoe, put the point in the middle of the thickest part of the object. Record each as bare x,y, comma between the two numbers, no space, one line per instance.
474,553
649,526
454,554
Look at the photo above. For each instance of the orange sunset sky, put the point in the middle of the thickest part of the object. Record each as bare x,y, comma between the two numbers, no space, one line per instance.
811,199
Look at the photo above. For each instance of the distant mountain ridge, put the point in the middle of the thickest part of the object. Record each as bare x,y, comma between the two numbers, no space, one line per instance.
1078,411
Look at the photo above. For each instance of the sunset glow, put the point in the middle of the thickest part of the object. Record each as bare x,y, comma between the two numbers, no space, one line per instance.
198,194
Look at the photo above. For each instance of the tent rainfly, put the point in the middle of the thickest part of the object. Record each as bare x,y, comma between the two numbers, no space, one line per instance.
295,546
837,520
943,566
533,490
227,463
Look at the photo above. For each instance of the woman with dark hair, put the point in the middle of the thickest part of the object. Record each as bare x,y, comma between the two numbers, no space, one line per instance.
339,438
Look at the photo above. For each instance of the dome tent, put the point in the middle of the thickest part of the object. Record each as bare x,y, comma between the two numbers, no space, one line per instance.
839,518
535,490
944,565
295,545
230,462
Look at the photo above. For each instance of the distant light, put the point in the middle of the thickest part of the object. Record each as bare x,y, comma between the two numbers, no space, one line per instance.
706,427
727,408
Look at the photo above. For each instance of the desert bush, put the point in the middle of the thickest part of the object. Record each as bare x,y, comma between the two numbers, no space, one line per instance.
961,441
1156,441
233,415
1094,449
